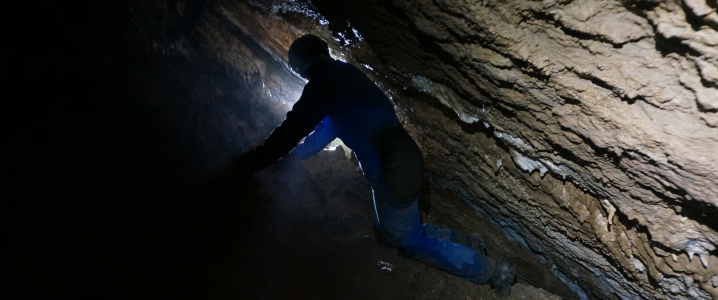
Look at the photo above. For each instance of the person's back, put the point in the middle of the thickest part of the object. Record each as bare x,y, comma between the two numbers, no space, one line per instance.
352,104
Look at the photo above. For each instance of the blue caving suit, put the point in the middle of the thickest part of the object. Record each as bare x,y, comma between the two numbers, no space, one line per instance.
340,101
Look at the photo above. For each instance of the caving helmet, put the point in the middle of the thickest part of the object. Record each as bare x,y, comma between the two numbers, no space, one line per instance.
305,52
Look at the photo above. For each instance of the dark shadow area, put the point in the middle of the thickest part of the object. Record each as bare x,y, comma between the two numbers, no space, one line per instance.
106,176
673,45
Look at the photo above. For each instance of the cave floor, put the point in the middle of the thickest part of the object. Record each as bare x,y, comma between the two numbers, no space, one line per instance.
308,235
312,239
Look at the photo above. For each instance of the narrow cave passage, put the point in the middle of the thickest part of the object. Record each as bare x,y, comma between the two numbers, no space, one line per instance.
583,153
116,163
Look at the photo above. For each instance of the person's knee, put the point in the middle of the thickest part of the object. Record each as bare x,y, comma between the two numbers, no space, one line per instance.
400,226
404,242
395,239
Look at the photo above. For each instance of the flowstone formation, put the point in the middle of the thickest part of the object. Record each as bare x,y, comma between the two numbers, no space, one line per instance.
586,131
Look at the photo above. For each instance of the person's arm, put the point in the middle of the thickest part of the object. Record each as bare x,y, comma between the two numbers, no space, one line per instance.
315,142
304,117
280,142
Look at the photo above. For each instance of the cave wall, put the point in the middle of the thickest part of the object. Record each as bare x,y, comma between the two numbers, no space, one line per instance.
584,130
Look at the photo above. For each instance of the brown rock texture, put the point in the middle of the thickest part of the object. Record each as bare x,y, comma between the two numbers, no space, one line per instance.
585,131
596,97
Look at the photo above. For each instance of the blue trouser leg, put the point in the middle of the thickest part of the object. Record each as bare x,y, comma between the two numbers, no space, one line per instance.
402,229
395,176
440,233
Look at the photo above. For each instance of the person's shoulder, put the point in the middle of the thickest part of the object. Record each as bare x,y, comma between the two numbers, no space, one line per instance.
326,75
327,71
339,69
336,64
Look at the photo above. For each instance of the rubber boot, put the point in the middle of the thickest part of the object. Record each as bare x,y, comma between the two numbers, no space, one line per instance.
473,241
502,278
476,242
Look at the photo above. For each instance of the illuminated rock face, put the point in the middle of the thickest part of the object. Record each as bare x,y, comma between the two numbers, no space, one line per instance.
586,131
